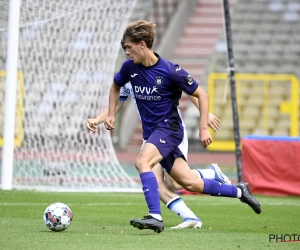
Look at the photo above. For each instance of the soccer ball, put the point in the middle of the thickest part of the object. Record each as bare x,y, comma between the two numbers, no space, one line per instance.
58,216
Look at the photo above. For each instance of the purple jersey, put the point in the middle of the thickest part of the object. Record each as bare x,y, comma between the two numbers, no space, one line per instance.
157,91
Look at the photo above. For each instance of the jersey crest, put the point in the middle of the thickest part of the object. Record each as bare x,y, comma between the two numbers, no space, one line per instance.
159,80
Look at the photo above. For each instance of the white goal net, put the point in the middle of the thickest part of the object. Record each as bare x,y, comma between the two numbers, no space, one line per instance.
67,56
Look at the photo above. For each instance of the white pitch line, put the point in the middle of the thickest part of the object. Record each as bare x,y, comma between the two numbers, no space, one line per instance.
69,204
129,204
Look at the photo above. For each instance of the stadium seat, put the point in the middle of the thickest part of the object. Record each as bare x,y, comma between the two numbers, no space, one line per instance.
250,112
279,132
224,135
227,122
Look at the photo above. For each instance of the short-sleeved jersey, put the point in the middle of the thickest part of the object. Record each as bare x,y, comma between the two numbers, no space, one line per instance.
126,90
157,90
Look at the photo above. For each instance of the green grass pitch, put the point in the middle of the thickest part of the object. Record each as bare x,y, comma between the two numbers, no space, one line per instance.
101,221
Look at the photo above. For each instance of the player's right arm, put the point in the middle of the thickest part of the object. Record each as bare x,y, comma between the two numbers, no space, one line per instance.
114,94
120,79
92,123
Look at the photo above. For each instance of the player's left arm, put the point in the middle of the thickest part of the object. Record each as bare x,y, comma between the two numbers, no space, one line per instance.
213,122
92,123
204,134
184,81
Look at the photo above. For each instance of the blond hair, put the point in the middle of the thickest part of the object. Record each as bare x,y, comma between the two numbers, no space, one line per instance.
138,31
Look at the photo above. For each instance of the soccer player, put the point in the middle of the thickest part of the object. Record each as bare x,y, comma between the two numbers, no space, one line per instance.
170,198
158,86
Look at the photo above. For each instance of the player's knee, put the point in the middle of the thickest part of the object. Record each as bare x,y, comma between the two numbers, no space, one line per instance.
142,165
138,165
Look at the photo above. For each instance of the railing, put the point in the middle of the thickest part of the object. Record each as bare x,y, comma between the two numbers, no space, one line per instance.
267,104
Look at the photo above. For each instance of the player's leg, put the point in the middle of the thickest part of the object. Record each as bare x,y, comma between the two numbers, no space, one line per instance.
146,159
153,151
175,203
181,174
213,172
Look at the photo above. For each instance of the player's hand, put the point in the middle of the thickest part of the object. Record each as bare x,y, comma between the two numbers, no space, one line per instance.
213,122
91,124
205,137
109,122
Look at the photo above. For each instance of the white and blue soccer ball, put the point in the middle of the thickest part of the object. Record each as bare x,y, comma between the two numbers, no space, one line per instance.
58,216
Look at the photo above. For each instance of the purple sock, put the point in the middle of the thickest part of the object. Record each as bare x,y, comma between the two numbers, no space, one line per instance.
151,193
215,188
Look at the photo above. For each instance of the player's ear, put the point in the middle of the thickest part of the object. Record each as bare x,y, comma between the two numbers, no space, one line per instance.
143,44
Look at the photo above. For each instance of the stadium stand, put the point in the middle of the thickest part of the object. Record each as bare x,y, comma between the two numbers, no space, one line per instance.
265,41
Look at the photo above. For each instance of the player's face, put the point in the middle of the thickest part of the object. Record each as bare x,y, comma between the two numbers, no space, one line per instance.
134,51
127,56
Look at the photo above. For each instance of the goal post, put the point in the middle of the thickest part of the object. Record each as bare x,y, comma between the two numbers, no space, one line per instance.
11,94
67,55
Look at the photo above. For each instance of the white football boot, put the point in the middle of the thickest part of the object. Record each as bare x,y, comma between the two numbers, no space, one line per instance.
189,223
219,175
